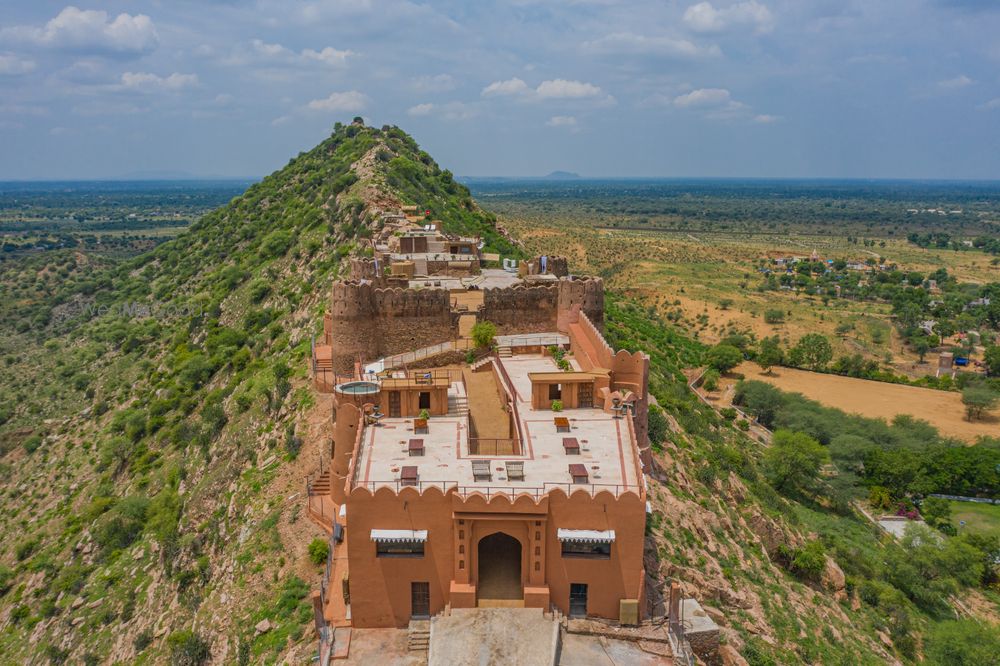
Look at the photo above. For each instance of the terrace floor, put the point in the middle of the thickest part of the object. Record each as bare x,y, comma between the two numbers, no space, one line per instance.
607,449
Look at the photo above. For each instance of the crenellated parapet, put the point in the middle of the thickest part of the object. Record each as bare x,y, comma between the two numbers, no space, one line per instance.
584,294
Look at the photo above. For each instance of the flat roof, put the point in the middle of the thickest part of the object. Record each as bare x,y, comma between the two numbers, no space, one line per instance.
607,446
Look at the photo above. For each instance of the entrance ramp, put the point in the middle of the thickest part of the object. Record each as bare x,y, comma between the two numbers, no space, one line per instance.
493,637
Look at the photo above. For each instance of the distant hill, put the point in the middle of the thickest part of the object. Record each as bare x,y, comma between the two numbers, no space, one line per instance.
561,175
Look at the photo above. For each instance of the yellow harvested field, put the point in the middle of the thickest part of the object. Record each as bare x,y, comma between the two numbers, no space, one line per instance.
942,409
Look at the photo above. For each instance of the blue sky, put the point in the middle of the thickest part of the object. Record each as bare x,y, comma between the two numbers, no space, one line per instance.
762,88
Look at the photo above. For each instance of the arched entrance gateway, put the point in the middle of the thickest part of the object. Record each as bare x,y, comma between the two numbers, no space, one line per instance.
499,562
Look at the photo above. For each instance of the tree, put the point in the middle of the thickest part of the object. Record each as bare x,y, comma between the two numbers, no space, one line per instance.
769,354
483,333
793,461
710,380
813,351
978,399
936,511
962,643
759,399
725,303
724,357
774,317
992,360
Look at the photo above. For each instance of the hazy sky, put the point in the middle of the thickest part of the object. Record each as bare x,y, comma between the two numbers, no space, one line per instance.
829,88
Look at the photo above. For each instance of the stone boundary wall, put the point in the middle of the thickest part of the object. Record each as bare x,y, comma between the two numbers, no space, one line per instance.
369,321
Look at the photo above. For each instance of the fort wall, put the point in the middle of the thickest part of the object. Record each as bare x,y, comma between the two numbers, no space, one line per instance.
369,321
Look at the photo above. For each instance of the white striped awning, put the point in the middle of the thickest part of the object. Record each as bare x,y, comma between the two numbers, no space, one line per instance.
398,536
587,536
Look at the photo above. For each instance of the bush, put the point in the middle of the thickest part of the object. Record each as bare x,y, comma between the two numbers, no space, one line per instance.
319,549
774,317
32,443
710,380
658,426
483,333
187,648
6,579
557,405
293,443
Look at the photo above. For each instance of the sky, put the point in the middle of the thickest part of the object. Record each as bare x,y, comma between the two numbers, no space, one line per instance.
662,88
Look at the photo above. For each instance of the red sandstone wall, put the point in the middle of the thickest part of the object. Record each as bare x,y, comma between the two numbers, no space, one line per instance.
380,587
373,322
608,581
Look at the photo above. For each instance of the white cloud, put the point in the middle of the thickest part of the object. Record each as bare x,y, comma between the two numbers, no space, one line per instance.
561,121
631,43
351,101
11,65
278,54
703,97
960,81
447,111
436,83
146,81
563,89
718,104
420,110
704,17
513,86
992,104
90,30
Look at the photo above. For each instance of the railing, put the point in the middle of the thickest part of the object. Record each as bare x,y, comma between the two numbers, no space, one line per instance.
492,446
512,397
532,340
397,360
536,492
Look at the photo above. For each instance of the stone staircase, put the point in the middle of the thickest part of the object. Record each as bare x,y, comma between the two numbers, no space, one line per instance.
321,486
480,363
458,405
505,351
419,638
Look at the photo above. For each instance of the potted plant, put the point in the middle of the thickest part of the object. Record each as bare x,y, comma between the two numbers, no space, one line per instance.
557,405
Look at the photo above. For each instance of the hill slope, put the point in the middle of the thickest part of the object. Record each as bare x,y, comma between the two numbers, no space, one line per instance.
154,440
151,464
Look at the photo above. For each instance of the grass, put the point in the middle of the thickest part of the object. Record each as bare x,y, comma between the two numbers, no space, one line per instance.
979,518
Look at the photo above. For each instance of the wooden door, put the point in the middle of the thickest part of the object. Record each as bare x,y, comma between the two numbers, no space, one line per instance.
420,600
577,599
394,410
585,395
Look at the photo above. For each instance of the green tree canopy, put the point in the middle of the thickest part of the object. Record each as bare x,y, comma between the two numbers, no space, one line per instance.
793,461
724,357
769,353
813,351
483,333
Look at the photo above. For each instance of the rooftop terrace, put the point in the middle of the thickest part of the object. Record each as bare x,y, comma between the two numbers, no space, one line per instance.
590,437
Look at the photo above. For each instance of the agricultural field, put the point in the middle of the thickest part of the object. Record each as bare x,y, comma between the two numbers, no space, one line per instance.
878,400
979,518
693,251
